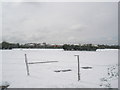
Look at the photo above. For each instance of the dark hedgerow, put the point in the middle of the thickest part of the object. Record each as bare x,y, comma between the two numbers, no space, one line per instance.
88,47
66,47
85,47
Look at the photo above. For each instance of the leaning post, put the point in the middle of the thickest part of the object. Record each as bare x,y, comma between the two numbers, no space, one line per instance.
27,65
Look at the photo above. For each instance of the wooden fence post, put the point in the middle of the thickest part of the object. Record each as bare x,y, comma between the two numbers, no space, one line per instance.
78,67
27,65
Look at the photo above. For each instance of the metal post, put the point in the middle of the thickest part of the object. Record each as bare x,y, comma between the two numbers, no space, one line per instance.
27,65
78,67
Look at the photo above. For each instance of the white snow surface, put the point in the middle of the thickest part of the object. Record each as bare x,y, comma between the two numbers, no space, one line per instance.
42,75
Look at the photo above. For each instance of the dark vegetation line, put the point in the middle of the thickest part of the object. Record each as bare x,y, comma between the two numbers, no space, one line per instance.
66,47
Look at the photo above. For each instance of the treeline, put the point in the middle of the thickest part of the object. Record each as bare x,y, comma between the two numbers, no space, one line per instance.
7,45
66,47
88,47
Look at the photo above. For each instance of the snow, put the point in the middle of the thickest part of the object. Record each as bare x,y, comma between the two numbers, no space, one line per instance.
42,75
0,68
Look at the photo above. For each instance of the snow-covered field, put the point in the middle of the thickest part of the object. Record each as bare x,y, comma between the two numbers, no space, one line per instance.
103,74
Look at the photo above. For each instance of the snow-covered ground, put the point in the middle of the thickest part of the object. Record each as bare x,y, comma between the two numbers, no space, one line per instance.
103,74
0,67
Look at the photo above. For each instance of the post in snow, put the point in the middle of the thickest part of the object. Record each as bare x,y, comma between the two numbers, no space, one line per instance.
27,65
78,67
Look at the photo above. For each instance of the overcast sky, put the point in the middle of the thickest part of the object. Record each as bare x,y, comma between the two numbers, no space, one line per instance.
60,22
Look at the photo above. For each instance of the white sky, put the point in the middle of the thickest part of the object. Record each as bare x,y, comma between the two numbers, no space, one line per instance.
60,22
